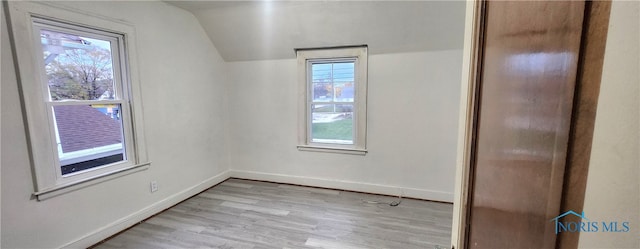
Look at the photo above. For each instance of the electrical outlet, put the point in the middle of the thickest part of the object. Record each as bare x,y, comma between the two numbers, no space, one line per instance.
154,186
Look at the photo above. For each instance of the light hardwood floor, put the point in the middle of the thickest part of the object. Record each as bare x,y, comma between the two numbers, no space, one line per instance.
251,214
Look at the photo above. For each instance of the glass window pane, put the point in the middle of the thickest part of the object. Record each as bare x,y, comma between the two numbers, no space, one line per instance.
322,92
332,123
88,136
77,68
333,82
345,91
343,72
321,72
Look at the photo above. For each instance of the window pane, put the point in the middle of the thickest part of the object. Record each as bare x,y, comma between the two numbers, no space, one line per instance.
88,136
321,72
333,82
343,72
322,92
344,92
332,123
77,68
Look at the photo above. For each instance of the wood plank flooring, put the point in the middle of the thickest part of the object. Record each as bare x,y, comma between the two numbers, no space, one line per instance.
251,214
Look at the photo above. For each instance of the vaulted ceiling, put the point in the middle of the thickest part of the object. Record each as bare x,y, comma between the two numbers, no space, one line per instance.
260,30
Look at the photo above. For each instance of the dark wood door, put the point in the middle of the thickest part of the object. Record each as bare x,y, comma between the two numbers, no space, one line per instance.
528,71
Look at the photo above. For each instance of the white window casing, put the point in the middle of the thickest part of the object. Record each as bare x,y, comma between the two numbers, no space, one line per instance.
307,57
27,19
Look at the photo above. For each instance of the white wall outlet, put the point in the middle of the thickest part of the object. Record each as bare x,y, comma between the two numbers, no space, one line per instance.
154,186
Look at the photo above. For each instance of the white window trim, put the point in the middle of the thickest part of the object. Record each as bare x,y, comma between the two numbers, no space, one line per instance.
305,57
42,143
88,154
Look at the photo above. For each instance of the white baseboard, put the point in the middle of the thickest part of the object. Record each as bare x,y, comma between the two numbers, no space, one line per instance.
425,194
132,219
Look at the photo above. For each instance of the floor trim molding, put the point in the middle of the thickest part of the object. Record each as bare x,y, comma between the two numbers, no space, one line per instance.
423,194
130,220
151,210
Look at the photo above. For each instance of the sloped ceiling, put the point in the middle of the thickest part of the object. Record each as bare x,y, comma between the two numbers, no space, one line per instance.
260,30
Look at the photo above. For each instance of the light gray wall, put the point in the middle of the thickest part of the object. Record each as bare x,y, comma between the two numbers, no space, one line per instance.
268,30
613,184
182,80
412,128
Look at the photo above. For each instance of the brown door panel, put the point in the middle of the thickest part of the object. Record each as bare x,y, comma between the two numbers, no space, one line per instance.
529,64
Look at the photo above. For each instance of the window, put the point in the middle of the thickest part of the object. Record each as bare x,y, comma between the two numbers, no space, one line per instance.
333,99
78,93
86,96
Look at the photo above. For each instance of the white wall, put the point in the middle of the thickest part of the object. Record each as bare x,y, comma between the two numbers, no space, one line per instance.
269,30
412,128
204,116
182,80
613,189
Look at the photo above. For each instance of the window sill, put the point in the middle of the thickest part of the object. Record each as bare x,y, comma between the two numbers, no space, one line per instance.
73,186
349,151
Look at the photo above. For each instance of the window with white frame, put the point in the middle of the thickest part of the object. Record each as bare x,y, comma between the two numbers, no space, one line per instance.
78,95
333,99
